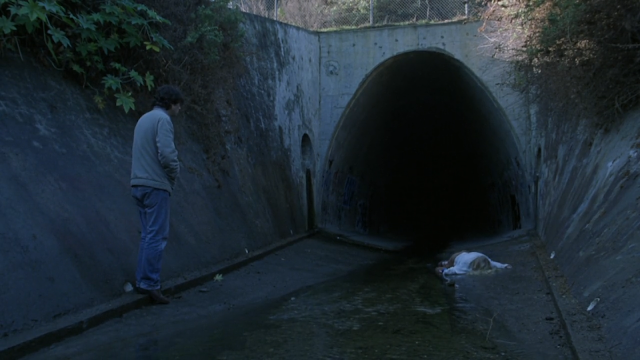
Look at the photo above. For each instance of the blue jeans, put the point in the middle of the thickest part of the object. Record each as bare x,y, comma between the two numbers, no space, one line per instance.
153,206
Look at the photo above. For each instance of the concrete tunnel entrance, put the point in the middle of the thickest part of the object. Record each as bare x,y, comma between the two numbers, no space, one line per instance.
423,151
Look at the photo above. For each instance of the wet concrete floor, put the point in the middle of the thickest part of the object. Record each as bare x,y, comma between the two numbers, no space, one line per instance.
322,299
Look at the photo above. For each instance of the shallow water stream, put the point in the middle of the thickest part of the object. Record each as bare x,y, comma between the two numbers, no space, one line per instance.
393,310
315,299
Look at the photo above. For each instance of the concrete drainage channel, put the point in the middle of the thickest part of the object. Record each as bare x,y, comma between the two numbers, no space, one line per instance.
27,342
584,343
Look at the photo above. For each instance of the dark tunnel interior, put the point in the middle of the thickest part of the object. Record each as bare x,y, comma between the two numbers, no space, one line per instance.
423,151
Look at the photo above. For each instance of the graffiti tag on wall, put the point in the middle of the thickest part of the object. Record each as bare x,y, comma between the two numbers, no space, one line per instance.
350,186
362,218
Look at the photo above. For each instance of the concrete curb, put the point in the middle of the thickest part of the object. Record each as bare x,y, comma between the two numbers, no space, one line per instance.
30,341
477,243
363,240
539,247
584,340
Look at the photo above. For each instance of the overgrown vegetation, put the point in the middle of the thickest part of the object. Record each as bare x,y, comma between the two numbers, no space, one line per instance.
122,48
206,36
579,56
98,41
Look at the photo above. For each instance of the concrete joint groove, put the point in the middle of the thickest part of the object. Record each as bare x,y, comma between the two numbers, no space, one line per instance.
581,342
539,246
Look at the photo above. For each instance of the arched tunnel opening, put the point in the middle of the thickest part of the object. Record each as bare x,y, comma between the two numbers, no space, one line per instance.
423,152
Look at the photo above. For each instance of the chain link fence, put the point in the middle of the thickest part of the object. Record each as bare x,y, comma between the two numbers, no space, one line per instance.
328,14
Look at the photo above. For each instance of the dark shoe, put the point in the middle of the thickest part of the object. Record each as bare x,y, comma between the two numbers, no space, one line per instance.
157,296
141,291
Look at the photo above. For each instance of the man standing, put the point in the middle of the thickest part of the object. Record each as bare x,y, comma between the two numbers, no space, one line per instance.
154,170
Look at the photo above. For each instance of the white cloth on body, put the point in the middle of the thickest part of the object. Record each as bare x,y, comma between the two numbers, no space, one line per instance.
462,264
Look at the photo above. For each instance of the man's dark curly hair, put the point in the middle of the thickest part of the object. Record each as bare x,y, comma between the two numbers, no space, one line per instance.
168,95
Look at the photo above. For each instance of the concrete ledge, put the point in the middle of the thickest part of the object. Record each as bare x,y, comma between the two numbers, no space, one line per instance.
477,242
544,265
30,341
583,330
375,242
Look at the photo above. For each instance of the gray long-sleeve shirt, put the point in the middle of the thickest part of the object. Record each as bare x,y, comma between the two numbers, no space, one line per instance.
154,159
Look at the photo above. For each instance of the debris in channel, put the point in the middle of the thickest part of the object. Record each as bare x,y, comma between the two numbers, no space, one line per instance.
593,304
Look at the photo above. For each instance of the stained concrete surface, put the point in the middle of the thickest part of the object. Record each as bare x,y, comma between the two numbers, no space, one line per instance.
321,298
589,218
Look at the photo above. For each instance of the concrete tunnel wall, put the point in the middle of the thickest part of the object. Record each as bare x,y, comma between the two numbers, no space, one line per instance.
428,83
68,226
426,153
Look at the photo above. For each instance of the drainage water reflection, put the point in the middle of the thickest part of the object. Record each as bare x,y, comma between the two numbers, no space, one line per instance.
394,310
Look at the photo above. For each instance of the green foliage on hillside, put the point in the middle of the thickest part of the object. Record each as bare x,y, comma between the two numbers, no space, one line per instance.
205,64
95,40
582,56
122,48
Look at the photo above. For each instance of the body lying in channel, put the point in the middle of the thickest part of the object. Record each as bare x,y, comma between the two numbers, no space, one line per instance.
465,262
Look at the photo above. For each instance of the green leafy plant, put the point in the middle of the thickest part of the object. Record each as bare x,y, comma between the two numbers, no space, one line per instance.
205,64
121,48
579,58
209,34
94,40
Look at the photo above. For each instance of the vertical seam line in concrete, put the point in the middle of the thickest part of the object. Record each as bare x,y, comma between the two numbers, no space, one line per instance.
565,326
319,166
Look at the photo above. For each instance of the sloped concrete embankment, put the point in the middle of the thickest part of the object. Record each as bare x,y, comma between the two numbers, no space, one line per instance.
588,218
68,227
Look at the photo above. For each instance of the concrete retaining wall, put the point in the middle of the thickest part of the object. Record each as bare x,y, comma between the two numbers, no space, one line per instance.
68,226
282,74
589,188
